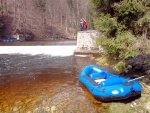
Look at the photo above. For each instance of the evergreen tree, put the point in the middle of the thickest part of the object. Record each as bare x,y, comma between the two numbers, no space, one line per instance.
124,23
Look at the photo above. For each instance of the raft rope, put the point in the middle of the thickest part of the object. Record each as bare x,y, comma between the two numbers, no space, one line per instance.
136,79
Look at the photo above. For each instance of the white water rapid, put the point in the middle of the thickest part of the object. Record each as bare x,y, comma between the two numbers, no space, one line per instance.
63,50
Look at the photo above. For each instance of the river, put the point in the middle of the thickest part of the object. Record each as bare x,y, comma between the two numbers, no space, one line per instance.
43,79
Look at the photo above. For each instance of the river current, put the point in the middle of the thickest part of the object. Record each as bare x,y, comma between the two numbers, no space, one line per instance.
44,79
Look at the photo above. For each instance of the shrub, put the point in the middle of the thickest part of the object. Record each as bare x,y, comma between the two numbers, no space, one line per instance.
120,67
121,46
125,25
107,25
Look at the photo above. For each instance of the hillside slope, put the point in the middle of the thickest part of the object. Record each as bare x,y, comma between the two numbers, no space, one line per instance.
42,19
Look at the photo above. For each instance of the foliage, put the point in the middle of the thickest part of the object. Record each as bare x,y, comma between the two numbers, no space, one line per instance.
144,24
120,66
142,45
90,18
121,46
106,61
103,61
122,26
103,6
128,14
145,19
108,25
132,14
129,8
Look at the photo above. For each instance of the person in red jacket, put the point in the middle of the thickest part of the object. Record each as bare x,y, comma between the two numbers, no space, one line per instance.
84,24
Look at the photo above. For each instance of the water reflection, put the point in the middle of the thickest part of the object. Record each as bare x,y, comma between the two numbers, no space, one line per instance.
43,83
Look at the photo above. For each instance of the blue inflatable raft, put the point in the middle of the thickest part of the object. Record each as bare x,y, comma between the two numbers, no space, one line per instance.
105,86
9,40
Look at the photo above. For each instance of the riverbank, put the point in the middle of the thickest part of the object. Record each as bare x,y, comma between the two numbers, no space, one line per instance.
39,43
133,105
140,105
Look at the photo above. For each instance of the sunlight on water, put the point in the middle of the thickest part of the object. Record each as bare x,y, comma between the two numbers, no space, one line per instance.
66,50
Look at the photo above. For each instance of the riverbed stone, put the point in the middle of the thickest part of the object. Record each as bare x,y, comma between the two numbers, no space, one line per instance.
29,111
15,109
27,101
147,106
47,108
44,102
19,103
2,112
53,109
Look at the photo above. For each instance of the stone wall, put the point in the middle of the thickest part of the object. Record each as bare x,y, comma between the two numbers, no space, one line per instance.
86,39
86,42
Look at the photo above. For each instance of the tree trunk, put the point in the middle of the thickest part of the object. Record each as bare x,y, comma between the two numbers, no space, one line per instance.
61,20
6,6
66,24
77,15
15,8
2,7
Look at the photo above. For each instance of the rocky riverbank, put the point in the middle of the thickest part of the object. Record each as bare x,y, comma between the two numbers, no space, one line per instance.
140,105
139,66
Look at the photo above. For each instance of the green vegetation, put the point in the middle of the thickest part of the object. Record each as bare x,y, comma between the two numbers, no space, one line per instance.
120,66
126,28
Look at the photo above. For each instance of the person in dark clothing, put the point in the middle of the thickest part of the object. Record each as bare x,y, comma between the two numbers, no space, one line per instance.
81,25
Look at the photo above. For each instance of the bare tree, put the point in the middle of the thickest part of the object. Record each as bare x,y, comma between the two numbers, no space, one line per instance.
2,7
61,15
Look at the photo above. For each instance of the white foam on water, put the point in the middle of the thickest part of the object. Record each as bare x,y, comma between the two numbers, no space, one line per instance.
66,50
82,55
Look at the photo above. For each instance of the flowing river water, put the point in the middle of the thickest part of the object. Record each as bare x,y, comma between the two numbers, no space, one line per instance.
44,79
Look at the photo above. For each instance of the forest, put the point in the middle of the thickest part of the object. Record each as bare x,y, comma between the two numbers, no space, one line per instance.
41,19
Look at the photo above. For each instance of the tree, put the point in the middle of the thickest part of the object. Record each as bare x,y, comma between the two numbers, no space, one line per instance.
123,23
133,14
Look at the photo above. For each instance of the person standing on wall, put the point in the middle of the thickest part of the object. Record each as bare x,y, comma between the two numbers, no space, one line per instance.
84,24
81,25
